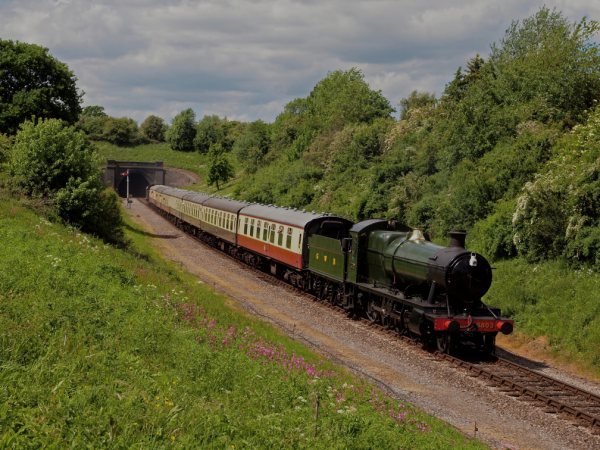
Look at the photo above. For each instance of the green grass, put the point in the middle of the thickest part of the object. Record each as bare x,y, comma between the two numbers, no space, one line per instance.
104,347
551,299
192,161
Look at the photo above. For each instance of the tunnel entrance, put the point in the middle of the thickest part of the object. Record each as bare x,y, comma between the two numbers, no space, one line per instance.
137,185
141,175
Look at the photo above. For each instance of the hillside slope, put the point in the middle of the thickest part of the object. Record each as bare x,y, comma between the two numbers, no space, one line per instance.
105,347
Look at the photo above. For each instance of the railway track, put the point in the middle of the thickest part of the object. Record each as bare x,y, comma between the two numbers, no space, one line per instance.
582,408
569,402
553,396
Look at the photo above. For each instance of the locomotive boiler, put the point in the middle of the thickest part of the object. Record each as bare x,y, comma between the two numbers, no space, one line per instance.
423,288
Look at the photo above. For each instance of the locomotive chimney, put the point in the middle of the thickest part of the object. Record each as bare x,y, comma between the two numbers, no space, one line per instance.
457,238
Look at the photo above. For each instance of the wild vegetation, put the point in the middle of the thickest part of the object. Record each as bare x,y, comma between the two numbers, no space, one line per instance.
56,165
109,347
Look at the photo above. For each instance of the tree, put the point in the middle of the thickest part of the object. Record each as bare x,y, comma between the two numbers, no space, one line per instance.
252,146
34,84
416,100
54,161
121,131
344,97
92,120
550,62
182,131
210,131
93,111
153,128
220,168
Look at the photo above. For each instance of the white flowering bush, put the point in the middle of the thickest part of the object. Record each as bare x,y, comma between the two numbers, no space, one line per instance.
559,213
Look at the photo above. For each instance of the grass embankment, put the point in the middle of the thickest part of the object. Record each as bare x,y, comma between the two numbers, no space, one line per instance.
554,303
192,161
100,347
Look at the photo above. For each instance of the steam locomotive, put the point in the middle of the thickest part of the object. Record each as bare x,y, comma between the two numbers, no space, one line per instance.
390,274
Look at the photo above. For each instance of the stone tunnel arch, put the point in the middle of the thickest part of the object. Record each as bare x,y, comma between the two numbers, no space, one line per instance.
137,185
141,175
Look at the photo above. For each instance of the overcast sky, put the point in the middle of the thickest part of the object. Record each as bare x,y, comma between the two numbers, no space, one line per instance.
245,59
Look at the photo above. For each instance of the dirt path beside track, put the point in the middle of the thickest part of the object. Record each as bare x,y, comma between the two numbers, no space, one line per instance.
404,370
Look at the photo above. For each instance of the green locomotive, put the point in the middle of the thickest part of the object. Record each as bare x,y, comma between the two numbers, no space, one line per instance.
400,279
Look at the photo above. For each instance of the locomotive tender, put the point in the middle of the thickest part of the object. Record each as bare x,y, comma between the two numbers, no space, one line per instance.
392,275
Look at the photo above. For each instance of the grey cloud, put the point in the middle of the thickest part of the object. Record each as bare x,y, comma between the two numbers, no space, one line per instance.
246,59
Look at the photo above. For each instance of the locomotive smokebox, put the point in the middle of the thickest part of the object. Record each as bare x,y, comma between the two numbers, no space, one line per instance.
458,238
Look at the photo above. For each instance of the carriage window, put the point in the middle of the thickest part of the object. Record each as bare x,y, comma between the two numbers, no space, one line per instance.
246,226
266,232
280,235
272,238
258,226
300,241
288,240
251,227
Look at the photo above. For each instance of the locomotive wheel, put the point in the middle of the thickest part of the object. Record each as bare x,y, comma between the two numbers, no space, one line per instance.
372,315
489,344
445,343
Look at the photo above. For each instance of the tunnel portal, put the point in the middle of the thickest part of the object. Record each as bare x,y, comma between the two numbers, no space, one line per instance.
141,175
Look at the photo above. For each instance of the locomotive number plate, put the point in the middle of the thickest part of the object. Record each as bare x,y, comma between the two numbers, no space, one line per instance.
485,325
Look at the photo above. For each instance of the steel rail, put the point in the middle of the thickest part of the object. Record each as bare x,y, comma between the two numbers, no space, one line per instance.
555,396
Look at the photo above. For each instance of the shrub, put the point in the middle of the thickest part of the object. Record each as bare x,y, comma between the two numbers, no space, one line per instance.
47,154
540,219
5,146
57,162
120,131
493,236
93,126
153,128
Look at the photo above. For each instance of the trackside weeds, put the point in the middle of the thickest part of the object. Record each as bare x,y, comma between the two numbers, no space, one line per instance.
220,336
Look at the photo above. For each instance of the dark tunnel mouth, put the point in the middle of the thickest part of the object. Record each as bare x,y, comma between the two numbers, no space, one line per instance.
137,185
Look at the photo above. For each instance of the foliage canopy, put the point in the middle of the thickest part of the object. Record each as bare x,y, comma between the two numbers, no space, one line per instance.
153,128
180,135
34,84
